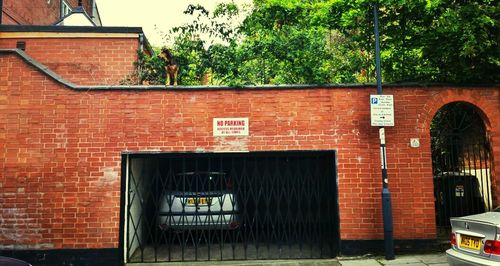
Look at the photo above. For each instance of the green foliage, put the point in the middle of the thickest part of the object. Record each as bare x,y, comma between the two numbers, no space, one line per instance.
151,69
331,41
192,59
464,46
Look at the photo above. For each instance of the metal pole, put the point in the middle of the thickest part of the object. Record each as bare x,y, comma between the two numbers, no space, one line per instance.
378,72
386,195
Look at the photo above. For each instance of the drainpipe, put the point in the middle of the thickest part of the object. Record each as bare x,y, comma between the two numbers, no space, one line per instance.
141,42
139,56
92,9
1,11
60,8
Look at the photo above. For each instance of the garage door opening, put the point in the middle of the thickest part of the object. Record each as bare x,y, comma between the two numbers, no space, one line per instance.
230,206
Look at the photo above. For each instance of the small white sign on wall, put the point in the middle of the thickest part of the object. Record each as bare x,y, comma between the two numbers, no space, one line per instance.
414,142
223,127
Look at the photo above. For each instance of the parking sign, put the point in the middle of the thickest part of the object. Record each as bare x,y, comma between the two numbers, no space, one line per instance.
382,110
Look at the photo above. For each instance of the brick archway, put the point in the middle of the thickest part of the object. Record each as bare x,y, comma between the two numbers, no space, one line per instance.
488,113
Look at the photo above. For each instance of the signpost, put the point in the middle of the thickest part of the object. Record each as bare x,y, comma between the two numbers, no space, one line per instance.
382,114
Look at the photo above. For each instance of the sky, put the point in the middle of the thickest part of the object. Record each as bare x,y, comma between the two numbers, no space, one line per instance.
155,17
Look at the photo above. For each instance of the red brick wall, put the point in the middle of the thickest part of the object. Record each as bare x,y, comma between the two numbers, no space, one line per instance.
84,61
61,149
8,20
39,12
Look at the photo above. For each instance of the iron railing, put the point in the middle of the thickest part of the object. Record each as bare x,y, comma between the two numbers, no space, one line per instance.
462,180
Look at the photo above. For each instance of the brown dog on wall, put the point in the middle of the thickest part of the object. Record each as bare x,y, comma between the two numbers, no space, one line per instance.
170,66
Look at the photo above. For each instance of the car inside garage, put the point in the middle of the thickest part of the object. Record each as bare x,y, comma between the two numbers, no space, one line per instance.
230,206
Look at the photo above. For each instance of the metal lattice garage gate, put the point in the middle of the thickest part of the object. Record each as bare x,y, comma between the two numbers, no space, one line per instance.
230,206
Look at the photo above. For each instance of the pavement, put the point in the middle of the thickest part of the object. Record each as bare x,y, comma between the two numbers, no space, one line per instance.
428,259
432,259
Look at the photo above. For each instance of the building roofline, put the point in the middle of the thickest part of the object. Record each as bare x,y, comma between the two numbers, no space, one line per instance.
48,29
72,29
45,70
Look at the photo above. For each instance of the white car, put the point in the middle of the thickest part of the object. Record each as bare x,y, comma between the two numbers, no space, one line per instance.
6,261
475,239
198,200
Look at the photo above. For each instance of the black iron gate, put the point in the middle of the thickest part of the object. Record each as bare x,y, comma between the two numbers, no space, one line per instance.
463,186
461,164
233,206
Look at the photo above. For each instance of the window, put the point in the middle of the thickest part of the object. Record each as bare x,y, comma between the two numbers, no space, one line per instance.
65,9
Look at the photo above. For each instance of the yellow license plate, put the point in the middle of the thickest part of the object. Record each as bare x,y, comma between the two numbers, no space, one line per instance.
470,242
198,201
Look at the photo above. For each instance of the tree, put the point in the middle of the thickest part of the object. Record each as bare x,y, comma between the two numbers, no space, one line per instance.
463,47
331,41
432,40
288,48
